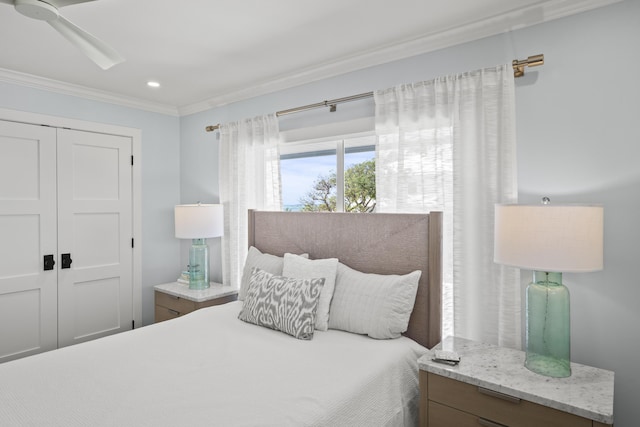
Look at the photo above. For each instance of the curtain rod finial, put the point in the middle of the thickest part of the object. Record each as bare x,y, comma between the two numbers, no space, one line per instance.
532,61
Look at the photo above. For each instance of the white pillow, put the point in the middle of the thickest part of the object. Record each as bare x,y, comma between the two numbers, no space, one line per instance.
298,267
373,304
267,262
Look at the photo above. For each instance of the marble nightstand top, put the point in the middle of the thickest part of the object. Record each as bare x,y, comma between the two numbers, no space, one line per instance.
588,392
215,290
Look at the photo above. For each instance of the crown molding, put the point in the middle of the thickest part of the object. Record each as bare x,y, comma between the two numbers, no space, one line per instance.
544,11
42,83
516,19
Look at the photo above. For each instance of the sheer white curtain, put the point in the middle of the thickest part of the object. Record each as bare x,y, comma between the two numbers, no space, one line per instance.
449,144
249,179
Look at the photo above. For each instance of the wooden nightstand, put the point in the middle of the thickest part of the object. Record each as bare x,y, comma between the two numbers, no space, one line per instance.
491,387
176,299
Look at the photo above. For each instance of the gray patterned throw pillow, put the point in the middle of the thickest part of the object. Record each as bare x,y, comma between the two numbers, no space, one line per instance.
281,303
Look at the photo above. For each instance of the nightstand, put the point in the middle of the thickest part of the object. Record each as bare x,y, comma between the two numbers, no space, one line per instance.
176,299
491,387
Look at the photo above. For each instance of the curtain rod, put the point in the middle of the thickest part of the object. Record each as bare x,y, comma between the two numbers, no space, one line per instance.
331,103
518,71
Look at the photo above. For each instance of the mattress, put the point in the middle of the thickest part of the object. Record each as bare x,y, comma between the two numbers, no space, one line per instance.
209,368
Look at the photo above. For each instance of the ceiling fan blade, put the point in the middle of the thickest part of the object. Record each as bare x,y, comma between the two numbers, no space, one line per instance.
98,51
62,3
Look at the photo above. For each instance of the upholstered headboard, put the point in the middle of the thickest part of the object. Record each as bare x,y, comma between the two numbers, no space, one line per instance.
371,243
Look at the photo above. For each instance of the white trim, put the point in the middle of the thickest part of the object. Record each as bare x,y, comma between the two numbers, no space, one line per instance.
340,175
544,11
136,149
42,83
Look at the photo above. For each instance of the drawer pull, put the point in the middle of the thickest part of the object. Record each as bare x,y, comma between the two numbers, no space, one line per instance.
177,313
173,297
498,395
486,423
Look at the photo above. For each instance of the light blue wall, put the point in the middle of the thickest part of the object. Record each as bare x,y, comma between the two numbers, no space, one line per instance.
199,180
578,141
160,173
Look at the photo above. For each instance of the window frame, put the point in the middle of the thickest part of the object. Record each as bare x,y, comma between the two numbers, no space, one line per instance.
338,145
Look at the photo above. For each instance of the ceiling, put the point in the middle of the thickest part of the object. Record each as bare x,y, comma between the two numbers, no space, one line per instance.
207,53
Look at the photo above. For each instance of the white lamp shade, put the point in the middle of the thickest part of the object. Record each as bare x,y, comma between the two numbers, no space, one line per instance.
552,238
199,221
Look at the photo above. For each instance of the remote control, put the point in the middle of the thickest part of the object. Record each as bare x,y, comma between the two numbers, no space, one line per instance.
447,357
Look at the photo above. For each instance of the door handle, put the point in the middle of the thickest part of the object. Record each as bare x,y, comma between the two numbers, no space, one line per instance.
66,261
49,262
499,395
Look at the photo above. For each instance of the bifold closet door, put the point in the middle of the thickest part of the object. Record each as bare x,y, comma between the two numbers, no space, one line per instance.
66,231
28,283
94,236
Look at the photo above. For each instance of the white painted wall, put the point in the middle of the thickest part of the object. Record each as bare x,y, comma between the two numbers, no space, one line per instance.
160,173
578,141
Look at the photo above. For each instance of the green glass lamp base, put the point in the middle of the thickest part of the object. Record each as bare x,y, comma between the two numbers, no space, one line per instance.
548,330
198,285
198,264
548,366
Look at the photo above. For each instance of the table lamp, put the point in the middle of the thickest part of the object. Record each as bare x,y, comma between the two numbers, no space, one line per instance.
549,239
199,222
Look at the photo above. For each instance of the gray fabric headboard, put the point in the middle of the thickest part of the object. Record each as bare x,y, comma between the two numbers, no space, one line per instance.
371,243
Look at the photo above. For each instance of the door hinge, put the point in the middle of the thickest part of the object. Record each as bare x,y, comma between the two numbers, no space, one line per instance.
131,160
133,324
132,242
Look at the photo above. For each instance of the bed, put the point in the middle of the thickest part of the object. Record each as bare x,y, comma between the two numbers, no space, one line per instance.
210,368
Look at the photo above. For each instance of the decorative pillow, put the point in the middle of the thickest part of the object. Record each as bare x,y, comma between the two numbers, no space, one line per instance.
281,303
301,268
267,262
373,304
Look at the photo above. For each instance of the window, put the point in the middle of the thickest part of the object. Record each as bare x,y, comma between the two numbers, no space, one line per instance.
335,176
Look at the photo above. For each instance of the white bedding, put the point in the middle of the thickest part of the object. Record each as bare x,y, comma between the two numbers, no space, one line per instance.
210,369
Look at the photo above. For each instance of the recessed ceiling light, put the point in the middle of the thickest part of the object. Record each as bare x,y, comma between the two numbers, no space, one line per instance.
153,84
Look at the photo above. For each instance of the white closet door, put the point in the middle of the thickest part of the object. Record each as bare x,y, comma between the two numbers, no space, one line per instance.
28,294
95,229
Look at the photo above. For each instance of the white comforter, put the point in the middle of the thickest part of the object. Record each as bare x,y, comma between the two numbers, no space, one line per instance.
210,369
